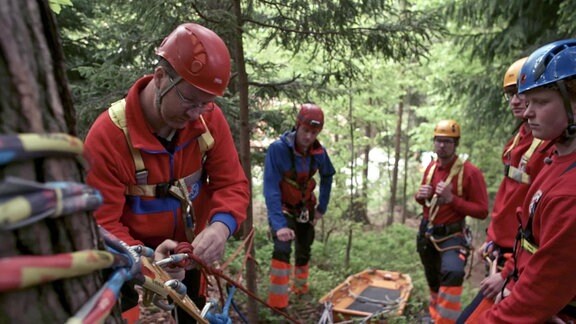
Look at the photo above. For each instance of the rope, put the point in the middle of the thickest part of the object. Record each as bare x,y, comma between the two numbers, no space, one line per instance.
15,148
440,240
25,271
98,307
223,318
185,247
326,317
23,202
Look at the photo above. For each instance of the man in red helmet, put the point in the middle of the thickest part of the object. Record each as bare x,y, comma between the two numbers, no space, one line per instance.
291,163
164,158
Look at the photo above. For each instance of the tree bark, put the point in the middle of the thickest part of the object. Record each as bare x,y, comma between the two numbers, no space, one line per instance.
245,154
35,98
397,141
406,159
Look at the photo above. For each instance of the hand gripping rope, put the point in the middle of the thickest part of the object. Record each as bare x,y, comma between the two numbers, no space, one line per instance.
217,273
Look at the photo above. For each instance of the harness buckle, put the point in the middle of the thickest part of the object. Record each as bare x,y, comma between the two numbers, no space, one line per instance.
303,217
162,190
506,169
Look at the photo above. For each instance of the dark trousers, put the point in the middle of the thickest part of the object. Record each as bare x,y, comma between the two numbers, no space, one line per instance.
304,237
470,308
442,268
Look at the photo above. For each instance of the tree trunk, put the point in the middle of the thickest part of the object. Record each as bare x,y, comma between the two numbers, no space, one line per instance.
406,159
245,154
362,212
34,98
397,141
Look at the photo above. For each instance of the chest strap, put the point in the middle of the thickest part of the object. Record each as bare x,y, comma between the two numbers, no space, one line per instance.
117,113
456,169
518,174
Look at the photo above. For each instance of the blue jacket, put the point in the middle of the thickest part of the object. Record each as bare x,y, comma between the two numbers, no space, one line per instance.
281,162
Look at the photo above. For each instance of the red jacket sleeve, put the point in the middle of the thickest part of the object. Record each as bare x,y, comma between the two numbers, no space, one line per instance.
227,181
476,202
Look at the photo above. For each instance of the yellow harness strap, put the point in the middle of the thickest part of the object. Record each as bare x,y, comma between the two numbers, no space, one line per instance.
518,173
457,169
117,113
179,188
531,248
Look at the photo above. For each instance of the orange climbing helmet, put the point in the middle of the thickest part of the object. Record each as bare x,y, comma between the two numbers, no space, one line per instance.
199,56
447,128
511,76
311,116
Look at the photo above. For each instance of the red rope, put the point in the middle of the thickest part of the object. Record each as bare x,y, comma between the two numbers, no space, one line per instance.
185,247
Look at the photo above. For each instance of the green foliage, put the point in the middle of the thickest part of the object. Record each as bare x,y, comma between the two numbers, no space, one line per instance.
494,34
56,5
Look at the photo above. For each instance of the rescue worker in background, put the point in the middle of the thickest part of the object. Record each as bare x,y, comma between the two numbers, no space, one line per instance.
523,157
451,189
293,210
175,176
544,285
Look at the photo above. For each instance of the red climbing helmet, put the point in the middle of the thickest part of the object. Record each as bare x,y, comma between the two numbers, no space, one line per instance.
311,116
199,56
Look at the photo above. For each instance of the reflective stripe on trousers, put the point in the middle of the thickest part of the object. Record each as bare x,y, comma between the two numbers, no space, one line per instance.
433,304
300,279
279,284
449,305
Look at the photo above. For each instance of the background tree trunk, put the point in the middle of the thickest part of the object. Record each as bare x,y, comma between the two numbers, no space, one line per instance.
245,154
34,98
406,159
397,153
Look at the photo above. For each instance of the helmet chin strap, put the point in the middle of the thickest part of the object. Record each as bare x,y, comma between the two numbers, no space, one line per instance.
158,101
570,131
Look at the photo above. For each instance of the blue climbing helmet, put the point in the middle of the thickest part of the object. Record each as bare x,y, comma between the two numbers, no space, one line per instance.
550,66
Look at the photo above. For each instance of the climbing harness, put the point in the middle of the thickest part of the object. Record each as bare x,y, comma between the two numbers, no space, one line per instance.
457,169
519,174
24,202
177,188
299,212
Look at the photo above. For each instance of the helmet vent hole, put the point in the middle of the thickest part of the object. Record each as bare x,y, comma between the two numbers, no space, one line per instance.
196,66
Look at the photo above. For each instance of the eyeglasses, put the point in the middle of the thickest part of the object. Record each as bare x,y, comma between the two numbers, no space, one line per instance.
445,141
510,93
191,104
